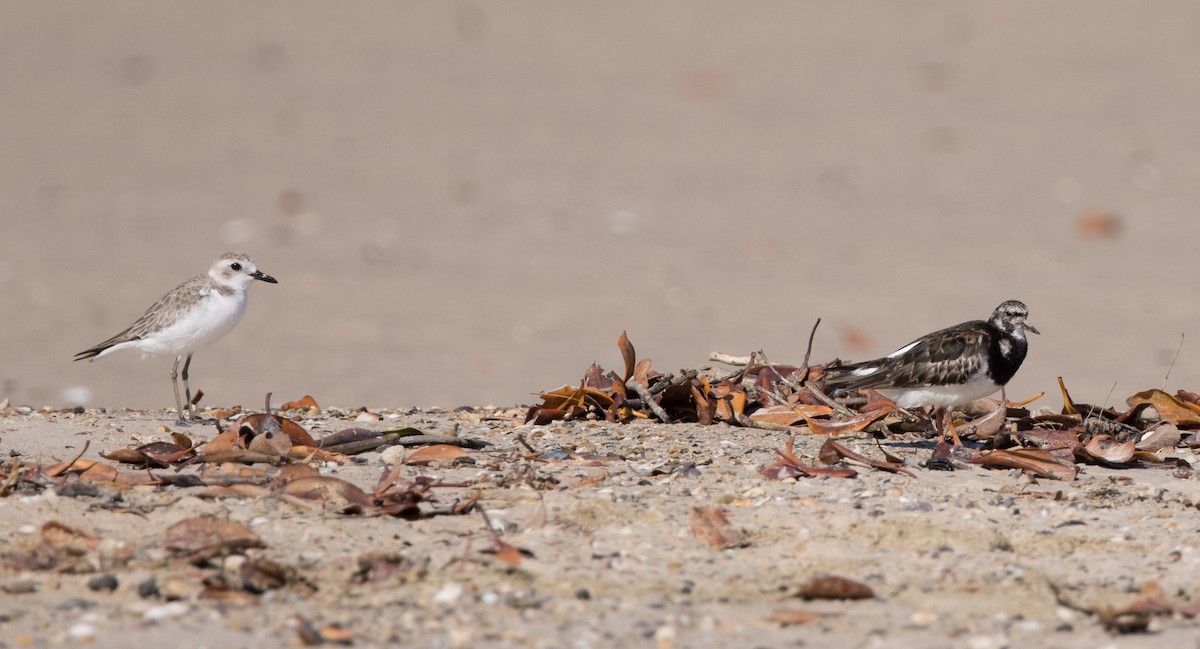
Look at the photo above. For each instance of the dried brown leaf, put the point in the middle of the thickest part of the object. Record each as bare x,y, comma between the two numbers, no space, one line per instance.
294,471
71,466
64,538
309,453
100,473
229,473
628,355
1051,439
509,554
261,423
270,443
1164,436
712,526
436,453
788,414
131,456
831,452
595,377
987,425
852,425
226,440
1068,404
834,587
730,407
1135,618
58,547
1037,461
1180,413
239,455
571,397
331,493
706,409
303,403
1105,448
203,537
795,617
642,372
790,466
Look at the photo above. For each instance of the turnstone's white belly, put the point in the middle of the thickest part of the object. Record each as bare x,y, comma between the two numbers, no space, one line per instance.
941,396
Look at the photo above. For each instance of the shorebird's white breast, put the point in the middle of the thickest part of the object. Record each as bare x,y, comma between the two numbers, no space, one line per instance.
941,396
206,320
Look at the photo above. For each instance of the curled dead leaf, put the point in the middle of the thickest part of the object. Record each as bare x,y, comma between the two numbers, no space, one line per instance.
834,587
1180,413
628,355
712,526
203,537
790,466
1040,462
794,617
853,424
330,493
788,414
262,423
303,403
131,456
831,452
436,453
1105,448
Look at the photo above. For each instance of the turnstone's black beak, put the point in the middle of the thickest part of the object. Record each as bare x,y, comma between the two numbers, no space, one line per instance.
258,274
1029,327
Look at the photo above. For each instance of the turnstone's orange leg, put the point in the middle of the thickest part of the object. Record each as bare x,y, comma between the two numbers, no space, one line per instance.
949,426
935,415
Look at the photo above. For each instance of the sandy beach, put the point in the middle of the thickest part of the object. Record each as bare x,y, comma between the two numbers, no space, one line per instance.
603,545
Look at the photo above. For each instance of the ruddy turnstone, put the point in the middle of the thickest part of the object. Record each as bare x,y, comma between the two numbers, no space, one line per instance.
189,318
946,368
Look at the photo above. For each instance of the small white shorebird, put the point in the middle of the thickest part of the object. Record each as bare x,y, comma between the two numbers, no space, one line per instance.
189,318
947,368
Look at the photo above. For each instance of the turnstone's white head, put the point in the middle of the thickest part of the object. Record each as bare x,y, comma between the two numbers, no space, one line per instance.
1010,318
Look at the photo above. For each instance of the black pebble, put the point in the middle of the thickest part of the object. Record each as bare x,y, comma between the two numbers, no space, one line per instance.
148,589
103,582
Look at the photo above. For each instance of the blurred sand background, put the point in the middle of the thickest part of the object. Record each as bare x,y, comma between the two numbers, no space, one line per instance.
466,202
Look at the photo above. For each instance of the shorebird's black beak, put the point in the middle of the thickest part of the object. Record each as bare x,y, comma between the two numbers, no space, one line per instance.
1029,327
258,274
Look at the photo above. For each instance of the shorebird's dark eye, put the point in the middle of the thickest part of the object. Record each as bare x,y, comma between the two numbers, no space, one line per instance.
235,266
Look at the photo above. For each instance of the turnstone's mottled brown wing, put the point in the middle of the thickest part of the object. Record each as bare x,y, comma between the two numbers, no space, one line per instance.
947,357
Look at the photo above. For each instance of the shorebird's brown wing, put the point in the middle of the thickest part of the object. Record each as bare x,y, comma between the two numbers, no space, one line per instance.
945,357
160,315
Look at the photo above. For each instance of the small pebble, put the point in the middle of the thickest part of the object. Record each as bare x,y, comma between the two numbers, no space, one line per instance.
19,586
103,582
76,604
393,455
148,588
174,590
987,642
924,618
449,593
166,611
82,631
